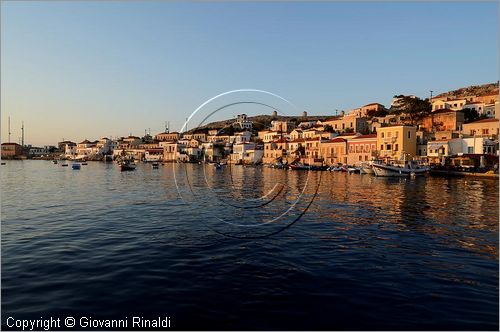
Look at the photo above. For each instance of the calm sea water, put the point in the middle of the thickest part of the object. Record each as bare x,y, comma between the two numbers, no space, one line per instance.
369,253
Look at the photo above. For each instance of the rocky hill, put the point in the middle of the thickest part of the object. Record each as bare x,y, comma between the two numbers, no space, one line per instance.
260,122
473,90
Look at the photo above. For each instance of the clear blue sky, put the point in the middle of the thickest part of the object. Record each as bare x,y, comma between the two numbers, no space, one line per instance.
87,69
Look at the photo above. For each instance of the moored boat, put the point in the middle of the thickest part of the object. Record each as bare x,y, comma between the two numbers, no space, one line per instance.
155,165
366,168
76,166
395,169
127,166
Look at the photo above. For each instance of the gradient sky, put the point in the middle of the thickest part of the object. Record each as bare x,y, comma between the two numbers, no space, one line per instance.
78,70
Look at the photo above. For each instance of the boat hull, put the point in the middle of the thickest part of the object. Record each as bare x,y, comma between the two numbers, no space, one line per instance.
386,170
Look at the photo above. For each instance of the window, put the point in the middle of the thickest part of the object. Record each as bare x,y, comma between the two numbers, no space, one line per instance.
396,147
485,131
409,134
389,134
388,147
360,158
351,124
382,134
343,126
381,146
470,149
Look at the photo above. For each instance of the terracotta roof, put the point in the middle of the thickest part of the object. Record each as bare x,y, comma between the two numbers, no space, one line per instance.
372,104
298,140
281,140
444,110
85,142
483,120
366,136
10,144
474,102
337,140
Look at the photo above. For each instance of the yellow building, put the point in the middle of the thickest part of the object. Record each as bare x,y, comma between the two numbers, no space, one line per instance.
482,128
393,141
334,151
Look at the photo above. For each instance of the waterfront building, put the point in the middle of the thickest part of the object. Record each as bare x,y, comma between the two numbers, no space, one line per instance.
167,136
253,156
70,150
313,153
213,152
36,151
11,150
482,128
334,151
396,141
438,149
61,146
361,149
296,148
348,124
239,151
480,145
275,150
172,150
155,154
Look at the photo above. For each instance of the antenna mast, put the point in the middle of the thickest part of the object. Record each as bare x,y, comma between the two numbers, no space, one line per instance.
9,129
22,133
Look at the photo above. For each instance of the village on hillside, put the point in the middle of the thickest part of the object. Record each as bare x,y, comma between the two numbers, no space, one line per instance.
452,129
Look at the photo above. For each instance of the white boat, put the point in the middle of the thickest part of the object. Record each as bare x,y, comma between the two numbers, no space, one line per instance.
397,169
366,168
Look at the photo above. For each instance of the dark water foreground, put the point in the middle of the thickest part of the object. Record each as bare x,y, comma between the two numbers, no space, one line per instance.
369,253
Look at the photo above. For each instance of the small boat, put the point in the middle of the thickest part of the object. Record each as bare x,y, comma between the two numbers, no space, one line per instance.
54,161
299,167
218,166
64,165
395,169
353,170
127,166
3,163
76,166
155,165
366,168
84,163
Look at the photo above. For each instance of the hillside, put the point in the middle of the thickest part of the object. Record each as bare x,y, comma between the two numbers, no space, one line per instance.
473,90
260,122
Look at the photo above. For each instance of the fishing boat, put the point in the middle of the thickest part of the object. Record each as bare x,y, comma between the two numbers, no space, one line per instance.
366,168
64,165
399,169
54,161
127,165
84,163
3,163
303,167
76,166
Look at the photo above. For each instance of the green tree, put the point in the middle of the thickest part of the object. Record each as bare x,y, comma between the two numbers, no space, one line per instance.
414,109
328,129
470,115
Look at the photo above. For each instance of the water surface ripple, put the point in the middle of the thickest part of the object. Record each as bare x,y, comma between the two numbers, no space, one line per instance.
371,253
